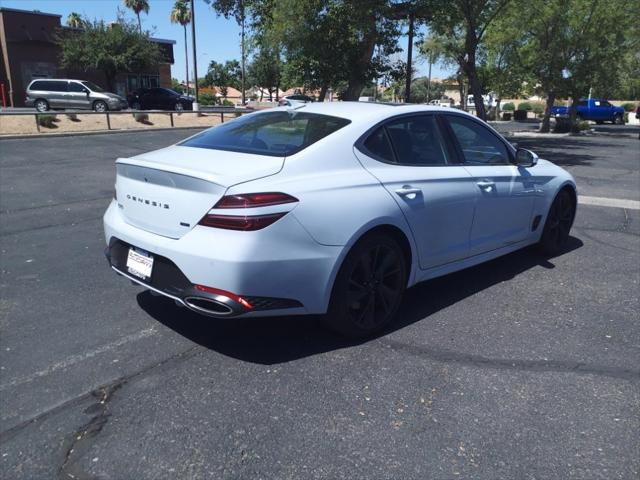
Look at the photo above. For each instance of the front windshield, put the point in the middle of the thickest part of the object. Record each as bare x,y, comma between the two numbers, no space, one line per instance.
92,86
280,133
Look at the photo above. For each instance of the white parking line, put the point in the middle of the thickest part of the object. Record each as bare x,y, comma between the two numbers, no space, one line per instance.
609,202
73,359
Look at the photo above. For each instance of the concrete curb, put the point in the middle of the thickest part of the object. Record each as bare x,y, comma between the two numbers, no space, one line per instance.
95,132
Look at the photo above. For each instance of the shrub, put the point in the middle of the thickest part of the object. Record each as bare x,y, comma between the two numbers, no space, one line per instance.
583,125
526,106
228,103
47,120
207,99
625,117
141,117
538,108
508,107
628,106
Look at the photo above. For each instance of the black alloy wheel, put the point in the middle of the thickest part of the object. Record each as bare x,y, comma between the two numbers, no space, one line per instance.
369,287
558,223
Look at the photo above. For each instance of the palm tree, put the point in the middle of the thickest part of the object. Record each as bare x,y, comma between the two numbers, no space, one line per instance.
433,49
75,20
182,14
138,6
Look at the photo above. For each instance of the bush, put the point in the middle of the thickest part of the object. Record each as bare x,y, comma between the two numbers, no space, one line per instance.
583,125
625,117
47,120
141,117
538,108
508,107
228,103
526,106
628,106
207,99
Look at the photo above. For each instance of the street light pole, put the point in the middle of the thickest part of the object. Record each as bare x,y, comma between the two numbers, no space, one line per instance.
242,47
407,95
195,55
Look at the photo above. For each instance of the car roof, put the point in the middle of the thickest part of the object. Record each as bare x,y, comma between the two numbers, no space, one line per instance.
57,80
368,111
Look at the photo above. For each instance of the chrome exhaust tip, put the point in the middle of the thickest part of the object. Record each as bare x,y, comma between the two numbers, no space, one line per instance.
209,306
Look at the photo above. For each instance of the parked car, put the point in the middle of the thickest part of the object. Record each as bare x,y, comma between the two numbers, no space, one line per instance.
294,100
52,93
159,99
332,208
595,109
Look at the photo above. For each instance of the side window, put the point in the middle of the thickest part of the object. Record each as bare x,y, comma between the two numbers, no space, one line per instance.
480,146
378,144
417,141
582,103
38,86
76,87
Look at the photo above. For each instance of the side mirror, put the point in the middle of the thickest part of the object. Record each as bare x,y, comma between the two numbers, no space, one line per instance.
526,158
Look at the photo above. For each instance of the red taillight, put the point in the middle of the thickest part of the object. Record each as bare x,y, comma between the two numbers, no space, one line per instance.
247,200
251,200
232,296
245,223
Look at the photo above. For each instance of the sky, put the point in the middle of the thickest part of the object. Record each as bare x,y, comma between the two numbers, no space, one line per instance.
217,38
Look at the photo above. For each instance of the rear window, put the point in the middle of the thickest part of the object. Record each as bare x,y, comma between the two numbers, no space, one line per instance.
49,86
274,133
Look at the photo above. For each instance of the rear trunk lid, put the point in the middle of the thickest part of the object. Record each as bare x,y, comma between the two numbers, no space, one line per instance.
167,192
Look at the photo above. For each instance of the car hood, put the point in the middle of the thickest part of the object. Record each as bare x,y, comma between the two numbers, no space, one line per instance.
113,95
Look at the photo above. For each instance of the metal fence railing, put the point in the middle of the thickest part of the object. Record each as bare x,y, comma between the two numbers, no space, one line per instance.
235,112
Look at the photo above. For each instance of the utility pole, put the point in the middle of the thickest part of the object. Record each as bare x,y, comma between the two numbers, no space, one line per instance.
242,48
407,95
195,55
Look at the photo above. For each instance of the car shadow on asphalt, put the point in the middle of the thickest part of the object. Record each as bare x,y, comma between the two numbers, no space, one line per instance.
271,340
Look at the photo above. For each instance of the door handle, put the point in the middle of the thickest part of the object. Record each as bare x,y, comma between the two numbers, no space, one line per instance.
408,191
486,185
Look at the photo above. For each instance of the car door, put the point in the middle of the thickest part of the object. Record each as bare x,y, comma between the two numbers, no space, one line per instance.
411,158
506,192
78,96
56,93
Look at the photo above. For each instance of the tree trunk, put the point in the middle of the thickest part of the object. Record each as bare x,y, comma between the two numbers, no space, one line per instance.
139,23
407,95
545,125
358,71
498,101
186,58
463,96
323,92
469,68
573,114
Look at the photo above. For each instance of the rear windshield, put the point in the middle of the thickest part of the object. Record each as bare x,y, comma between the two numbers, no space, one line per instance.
273,133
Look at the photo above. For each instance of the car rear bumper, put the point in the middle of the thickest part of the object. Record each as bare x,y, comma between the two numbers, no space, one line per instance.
278,270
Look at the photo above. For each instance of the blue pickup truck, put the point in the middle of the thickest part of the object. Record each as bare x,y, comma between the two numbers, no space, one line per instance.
595,109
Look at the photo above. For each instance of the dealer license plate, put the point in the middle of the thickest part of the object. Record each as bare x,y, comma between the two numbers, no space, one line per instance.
139,263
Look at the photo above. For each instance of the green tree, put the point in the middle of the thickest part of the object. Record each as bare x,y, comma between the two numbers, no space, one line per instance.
181,14
137,6
223,76
264,71
464,23
110,48
570,46
75,20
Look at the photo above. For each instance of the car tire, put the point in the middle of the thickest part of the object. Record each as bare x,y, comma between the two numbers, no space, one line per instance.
41,105
618,120
368,288
100,106
599,122
179,107
136,106
558,223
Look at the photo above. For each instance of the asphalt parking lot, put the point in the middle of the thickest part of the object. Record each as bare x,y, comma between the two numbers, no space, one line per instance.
521,368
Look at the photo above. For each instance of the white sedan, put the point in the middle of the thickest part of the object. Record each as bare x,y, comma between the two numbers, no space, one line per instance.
329,208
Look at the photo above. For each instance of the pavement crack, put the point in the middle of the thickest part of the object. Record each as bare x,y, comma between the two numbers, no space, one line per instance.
559,366
81,440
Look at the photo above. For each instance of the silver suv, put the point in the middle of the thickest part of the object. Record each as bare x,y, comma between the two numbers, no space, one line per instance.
44,94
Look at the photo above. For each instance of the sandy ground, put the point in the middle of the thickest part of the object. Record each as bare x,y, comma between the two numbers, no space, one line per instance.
26,124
